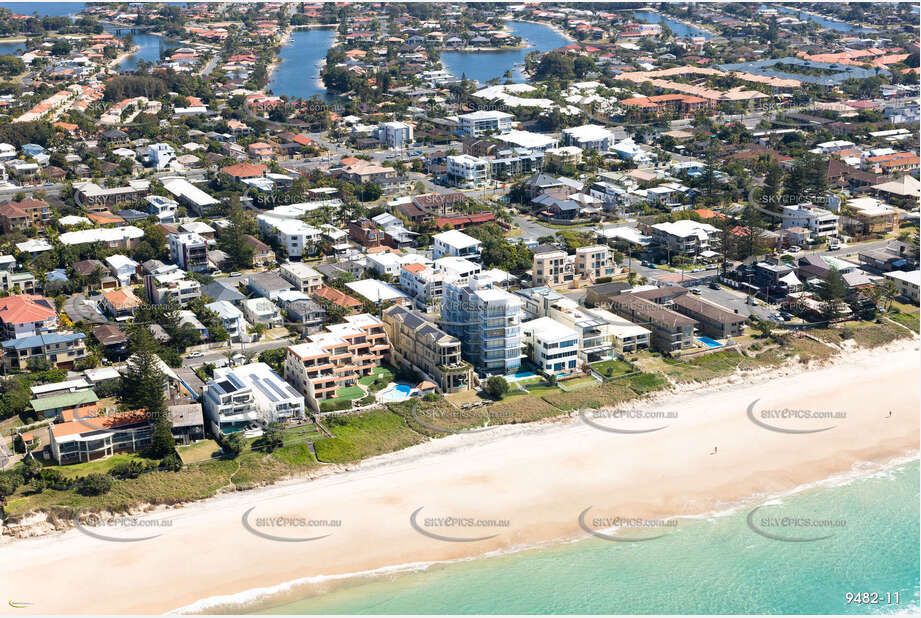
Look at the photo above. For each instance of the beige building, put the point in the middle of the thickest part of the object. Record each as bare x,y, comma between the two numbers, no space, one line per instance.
564,155
551,266
419,344
336,358
594,262
301,276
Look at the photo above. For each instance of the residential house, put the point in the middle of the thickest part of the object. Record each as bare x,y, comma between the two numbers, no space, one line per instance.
120,304
80,441
262,311
244,397
456,244
553,347
60,350
26,315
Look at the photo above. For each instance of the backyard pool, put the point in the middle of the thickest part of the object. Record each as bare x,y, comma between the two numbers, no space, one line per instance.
710,343
397,392
521,375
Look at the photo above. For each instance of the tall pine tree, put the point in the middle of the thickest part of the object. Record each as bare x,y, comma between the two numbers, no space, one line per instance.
143,386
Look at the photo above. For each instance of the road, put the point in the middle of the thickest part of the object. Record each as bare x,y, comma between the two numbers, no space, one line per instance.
248,349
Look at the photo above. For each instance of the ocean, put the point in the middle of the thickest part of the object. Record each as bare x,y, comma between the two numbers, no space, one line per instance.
716,564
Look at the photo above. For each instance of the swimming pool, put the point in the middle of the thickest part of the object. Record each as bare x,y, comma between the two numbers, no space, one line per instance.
521,375
710,343
397,392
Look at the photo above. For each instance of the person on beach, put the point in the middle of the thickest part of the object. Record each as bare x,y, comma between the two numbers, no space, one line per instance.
714,450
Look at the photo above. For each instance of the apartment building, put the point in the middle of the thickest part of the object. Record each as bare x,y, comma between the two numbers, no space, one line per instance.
296,237
671,331
551,266
61,350
623,335
685,237
172,285
819,221
26,315
871,216
554,347
457,269
189,251
244,397
467,171
394,134
24,215
594,262
487,320
78,441
93,197
715,321
480,122
419,344
424,284
907,283
589,136
303,277
594,345
336,358
125,237
456,244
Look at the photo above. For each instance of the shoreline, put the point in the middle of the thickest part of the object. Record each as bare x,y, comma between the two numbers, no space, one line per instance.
374,498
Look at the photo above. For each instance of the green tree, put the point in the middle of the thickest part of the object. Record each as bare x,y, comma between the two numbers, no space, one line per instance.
832,294
94,484
496,386
143,388
233,443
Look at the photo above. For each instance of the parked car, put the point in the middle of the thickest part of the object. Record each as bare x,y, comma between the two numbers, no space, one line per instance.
794,249
695,291
713,285
195,354
236,274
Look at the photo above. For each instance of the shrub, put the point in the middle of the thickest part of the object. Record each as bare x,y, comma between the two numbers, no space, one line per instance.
171,462
430,397
128,469
94,484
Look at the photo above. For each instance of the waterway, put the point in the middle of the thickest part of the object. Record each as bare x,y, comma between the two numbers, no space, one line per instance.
298,74
485,65
830,24
679,29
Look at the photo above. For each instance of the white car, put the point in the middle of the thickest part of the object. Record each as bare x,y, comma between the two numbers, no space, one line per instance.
195,354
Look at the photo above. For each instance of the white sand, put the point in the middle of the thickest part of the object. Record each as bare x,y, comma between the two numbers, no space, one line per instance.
538,477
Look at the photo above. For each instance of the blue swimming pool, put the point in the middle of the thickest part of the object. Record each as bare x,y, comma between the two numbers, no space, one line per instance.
710,343
397,392
522,375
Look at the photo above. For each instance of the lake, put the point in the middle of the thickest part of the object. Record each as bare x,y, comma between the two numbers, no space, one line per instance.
298,74
149,48
485,65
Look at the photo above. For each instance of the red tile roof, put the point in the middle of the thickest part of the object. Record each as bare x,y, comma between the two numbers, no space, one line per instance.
26,308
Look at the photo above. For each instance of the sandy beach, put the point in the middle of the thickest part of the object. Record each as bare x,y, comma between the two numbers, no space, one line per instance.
538,478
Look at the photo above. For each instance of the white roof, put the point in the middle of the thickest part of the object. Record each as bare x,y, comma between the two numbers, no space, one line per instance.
913,277
225,309
486,115
182,188
113,234
301,270
197,227
588,133
527,139
73,220
119,261
548,329
686,227
375,291
457,239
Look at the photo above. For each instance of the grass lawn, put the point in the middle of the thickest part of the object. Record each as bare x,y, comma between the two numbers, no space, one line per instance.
100,466
384,372
543,388
364,435
348,393
616,367
578,383
608,393
905,319
200,451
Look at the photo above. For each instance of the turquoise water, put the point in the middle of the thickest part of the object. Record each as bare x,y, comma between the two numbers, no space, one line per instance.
679,29
708,566
149,46
485,65
298,75
710,343
399,392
